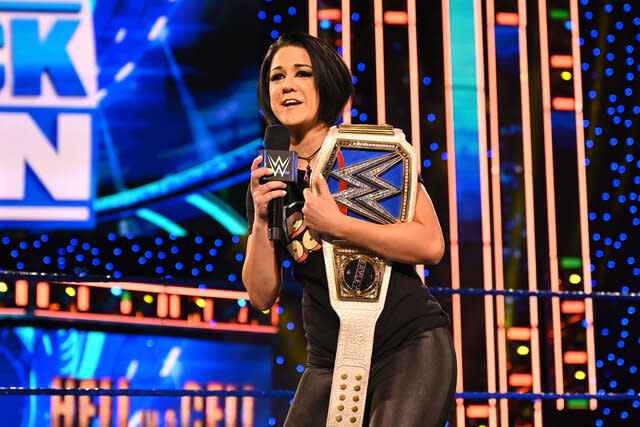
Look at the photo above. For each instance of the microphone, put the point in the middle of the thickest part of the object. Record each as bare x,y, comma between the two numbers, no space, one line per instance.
284,163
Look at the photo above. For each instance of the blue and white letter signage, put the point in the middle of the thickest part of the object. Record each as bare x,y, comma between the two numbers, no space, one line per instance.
48,89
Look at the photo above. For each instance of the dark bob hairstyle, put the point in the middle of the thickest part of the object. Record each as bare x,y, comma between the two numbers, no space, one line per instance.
331,75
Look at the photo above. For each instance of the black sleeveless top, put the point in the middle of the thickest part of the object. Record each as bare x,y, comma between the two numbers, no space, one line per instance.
409,309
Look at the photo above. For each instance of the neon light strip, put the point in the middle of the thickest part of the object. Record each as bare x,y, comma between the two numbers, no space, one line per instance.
453,207
13,311
44,213
529,208
161,221
497,211
485,210
118,318
346,51
163,289
582,192
220,211
379,44
218,166
414,93
40,6
313,17
551,200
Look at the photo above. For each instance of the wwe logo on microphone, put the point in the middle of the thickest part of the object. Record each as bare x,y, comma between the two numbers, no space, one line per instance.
279,165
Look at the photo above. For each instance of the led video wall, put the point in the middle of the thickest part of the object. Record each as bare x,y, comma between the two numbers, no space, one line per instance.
70,358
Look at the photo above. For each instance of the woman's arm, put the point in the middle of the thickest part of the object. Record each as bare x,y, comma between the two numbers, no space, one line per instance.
261,272
416,242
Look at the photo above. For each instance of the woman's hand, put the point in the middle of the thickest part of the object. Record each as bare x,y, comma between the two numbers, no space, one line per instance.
321,213
263,193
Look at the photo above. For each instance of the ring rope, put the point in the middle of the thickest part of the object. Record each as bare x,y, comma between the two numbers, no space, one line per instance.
22,391
545,294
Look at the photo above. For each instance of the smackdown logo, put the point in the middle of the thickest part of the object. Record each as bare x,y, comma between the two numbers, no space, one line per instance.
48,92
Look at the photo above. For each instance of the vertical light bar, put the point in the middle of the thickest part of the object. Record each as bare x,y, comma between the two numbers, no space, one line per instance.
414,95
582,192
174,306
42,295
529,209
551,199
346,50
22,292
162,305
379,45
207,312
313,17
485,211
496,202
453,207
84,302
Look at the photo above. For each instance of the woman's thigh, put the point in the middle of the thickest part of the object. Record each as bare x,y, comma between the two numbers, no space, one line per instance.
414,386
311,401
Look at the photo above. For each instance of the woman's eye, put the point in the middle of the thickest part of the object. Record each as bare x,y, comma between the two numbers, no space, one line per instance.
304,74
277,77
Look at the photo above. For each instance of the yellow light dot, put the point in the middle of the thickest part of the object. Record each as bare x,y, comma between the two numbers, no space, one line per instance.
575,279
3,287
523,350
266,311
566,75
200,302
580,375
148,299
70,291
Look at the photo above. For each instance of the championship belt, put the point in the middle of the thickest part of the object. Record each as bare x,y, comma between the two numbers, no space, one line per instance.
372,174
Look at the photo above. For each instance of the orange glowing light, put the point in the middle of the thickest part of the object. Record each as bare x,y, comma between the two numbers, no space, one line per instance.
174,306
572,307
561,61
126,306
83,298
162,305
396,17
313,17
520,380
563,104
575,357
478,411
329,14
42,294
516,333
22,292
507,18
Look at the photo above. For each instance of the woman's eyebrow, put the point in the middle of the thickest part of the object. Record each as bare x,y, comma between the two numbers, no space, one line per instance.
279,67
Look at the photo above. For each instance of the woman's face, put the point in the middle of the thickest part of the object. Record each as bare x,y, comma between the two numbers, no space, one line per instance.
292,89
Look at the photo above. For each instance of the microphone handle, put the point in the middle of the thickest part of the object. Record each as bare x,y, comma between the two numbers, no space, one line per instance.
276,232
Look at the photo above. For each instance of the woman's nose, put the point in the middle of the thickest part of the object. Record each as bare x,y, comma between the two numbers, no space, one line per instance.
287,84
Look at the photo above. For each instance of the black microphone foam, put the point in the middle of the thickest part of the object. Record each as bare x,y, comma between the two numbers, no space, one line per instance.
276,137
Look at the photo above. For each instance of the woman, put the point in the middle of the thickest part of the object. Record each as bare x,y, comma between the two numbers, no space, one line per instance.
304,85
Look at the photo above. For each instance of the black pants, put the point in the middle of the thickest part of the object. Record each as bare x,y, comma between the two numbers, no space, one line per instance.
413,386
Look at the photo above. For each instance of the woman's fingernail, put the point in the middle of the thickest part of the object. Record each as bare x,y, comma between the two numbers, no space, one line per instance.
270,170
285,184
284,193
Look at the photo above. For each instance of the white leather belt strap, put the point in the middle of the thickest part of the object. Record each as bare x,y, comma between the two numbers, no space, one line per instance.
355,346
372,173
